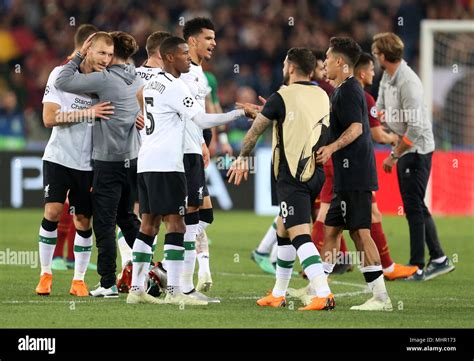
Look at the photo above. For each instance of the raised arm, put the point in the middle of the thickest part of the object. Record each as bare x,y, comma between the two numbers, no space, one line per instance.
205,120
70,80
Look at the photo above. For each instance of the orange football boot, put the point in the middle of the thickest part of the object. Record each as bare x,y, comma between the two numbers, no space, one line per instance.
79,288
400,271
44,285
320,303
270,301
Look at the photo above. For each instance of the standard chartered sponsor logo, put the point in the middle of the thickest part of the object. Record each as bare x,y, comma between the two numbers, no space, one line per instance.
80,103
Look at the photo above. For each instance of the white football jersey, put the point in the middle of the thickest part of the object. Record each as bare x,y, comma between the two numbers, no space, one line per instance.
169,108
146,73
199,87
69,145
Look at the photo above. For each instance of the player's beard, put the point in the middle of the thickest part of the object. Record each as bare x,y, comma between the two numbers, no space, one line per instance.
286,78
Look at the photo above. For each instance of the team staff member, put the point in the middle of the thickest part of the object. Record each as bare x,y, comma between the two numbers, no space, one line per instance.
115,150
401,100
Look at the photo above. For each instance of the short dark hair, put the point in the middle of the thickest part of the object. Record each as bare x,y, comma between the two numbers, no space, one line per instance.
154,41
347,47
364,60
194,27
319,55
169,45
82,33
303,58
125,45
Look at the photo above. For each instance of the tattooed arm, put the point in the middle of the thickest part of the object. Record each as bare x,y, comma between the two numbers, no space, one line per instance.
240,168
258,127
346,138
349,135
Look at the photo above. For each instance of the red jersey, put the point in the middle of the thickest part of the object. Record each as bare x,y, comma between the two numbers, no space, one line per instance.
372,110
324,85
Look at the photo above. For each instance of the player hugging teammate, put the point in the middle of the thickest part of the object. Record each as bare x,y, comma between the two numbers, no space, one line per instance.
170,155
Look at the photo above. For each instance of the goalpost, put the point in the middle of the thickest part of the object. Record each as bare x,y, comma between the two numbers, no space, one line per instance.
447,74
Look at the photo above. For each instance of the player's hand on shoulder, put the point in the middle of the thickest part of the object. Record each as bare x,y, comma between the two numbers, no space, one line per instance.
102,110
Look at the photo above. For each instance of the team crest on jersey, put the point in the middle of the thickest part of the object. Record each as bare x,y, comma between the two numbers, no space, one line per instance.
46,90
373,112
188,102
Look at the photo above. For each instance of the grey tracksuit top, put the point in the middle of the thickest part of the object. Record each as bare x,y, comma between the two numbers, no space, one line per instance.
116,139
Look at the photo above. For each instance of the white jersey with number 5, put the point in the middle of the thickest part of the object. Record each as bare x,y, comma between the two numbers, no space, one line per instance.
197,83
169,108
146,73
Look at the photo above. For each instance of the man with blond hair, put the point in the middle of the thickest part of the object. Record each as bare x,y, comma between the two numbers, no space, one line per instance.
115,146
67,168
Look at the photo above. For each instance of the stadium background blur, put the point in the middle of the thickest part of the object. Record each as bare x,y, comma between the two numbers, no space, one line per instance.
252,40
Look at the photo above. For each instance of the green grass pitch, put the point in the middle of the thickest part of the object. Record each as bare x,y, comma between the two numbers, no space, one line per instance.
445,302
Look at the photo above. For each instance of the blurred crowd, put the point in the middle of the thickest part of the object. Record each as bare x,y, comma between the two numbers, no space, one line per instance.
252,39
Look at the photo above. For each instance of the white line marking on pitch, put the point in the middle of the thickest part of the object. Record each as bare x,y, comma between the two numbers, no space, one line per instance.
344,294
245,274
62,301
364,288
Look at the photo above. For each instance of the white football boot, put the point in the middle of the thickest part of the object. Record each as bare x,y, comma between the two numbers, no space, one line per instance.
100,291
182,299
374,304
142,297
204,282
199,296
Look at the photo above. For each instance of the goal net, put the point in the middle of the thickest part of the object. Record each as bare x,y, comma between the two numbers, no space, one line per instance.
447,72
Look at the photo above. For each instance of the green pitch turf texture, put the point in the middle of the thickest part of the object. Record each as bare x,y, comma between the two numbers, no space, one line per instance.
445,302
